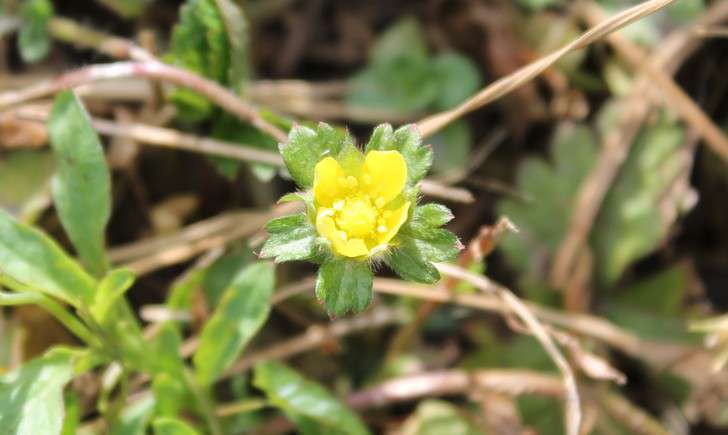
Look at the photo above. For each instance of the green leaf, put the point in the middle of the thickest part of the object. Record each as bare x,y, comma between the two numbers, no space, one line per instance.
72,415
200,44
402,39
290,238
34,41
433,244
172,426
407,262
32,258
451,146
135,417
550,190
31,397
430,215
344,285
169,394
237,30
112,287
24,177
408,142
458,77
233,130
306,147
662,293
434,417
637,212
126,8
296,395
82,188
221,273
240,314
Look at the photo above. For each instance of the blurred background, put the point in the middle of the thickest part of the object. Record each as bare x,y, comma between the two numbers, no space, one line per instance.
596,191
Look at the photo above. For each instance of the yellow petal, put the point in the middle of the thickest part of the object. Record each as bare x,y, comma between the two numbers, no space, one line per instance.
385,173
394,222
347,247
326,185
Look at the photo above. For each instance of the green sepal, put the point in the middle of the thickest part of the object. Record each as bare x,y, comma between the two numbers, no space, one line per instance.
431,215
408,141
291,238
306,147
293,197
344,285
406,260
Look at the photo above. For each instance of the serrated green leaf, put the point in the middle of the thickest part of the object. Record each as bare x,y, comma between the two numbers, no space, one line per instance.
550,191
31,397
431,215
458,79
380,138
32,258
237,29
296,395
172,426
632,221
240,314
199,43
112,287
406,260
291,238
306,147
34,41
82,187
432,244
451,147
344,285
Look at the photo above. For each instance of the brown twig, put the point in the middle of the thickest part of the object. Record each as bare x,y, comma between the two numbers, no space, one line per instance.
506,84
151,70
573,415
617,143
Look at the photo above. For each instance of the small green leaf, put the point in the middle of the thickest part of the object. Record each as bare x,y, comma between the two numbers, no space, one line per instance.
32,258
112,287
82,189
296,395
407,141
169,395
344,285
221,273
433,244
24,177
72,413
200,44
293,197
402,39
169,383
431,215
240,314
407,262
31,397
306,147
458,79
172,426
34,41
135,417
237,30
291,238
126,8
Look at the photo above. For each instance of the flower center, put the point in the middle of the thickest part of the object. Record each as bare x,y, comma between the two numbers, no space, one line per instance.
356,216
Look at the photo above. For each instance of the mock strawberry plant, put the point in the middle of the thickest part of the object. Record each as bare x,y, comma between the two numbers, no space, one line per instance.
361,209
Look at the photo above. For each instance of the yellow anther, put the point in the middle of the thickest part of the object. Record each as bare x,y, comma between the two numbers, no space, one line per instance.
382,229
343,235
351,181
380,202
339,205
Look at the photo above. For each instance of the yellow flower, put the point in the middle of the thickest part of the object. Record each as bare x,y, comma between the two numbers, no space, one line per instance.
360,209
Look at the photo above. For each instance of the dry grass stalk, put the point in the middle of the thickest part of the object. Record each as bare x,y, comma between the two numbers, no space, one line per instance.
503,86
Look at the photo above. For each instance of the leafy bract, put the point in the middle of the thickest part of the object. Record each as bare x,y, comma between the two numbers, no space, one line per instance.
344,285
290,238
240,314
307,146
302,399
82,187
31,397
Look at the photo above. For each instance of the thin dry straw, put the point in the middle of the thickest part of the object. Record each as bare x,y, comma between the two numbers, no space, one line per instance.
506,84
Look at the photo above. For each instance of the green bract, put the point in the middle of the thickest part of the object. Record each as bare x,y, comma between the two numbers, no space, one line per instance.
345,281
